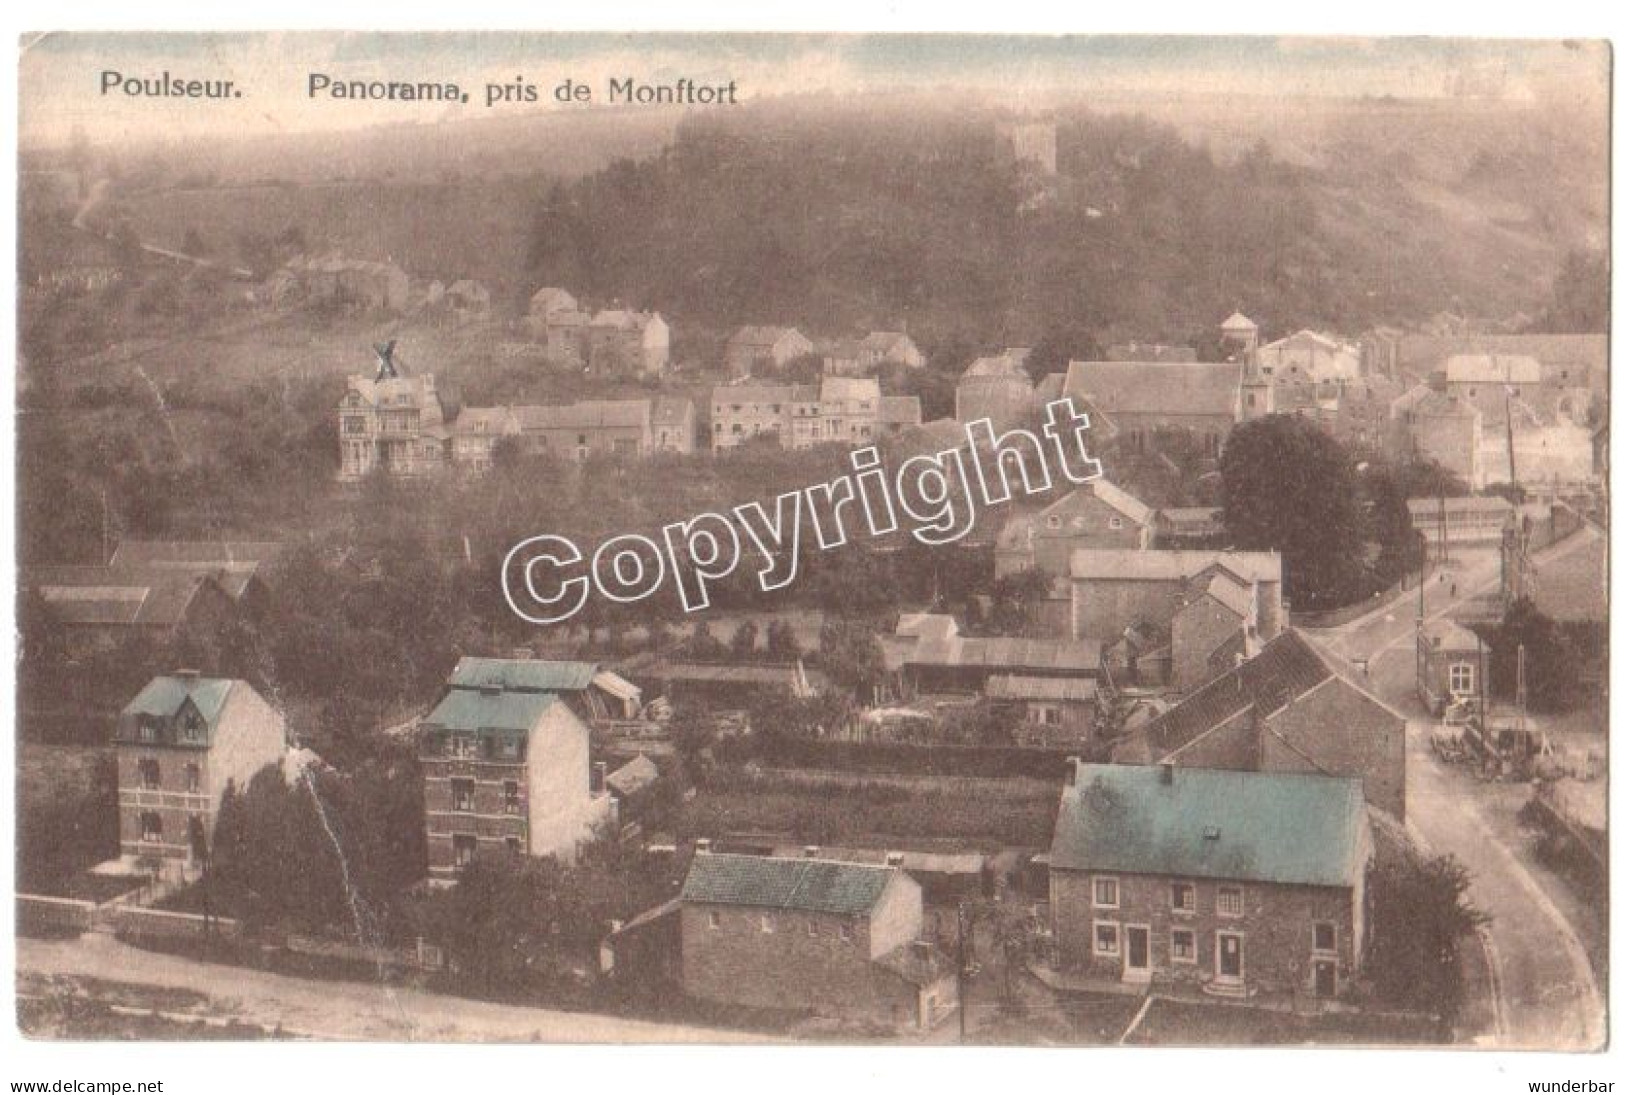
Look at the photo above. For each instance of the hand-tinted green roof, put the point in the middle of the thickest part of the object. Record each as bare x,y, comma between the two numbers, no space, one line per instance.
470,709
808,885
163,697
1206,823
523,674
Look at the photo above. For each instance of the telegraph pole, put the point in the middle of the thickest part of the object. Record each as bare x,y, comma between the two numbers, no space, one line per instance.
964,935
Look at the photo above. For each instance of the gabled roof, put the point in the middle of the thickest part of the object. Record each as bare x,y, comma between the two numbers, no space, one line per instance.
1230,593
1111,494
1238,322
1143,387
1285,669
485,421
805,885
1128,563
1278,827
927,639
585,415
1448,635
163,697
469,709
633,776
671,410
144,596
753,393
1010,363
1012,686
523,674
848,388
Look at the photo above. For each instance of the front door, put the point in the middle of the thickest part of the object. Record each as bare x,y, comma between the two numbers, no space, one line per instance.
1138,963
1325,978
1230,958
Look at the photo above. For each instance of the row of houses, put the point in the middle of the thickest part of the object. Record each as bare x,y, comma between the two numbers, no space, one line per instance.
847,410
610,342
753,349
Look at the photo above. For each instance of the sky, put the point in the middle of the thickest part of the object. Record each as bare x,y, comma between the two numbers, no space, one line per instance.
61,74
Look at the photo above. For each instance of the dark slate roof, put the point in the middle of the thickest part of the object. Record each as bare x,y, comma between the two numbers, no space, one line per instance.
469,709
134,596
187,553
806,885
1286,668
523,674
1280,827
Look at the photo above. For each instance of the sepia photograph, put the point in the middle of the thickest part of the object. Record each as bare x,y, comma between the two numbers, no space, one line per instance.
841,539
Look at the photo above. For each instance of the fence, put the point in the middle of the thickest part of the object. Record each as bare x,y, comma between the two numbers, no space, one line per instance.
37,912
136,920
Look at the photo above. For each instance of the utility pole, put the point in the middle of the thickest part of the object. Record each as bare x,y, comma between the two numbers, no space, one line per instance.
964,961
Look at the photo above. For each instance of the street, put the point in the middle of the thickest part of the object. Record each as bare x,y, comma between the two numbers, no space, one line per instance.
344,1010
1547,992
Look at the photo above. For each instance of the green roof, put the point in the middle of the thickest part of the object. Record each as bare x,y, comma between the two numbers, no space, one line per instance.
1206,823
523,674
807,885
163,697
470,709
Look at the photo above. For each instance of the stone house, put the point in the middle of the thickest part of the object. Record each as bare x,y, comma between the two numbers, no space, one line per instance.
1292,707
1452,664
841,939
1232,884
672,424
997,388
1309,356
179,743
391,421
626,343
1140,401
751,348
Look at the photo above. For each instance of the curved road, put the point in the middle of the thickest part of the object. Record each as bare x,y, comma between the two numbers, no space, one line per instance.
1547,995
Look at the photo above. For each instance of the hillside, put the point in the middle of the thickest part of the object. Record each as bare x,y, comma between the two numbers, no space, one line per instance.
837,213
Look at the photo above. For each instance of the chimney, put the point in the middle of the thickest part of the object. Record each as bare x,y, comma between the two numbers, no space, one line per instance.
186,674
810,851
702,846
1167,774
599,771
894,859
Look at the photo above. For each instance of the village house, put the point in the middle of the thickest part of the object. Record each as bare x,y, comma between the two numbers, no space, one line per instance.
844,410
505,759
1227,883
1113,588
878,348
1452,664
1292,707
929,656
1443,428
475,433
180,743
997,388
1460,521
672,424
845,940
1139,401
557,321
99,607
391,421
237,566
468,300
595,427
1098,514
1566,361
1309,356
628,344
333,280
740,412
752,348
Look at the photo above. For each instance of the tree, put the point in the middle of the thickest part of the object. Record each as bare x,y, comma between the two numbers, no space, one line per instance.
850,654
782,644
1420,913
743,644
1288,486
1551,663
1016,601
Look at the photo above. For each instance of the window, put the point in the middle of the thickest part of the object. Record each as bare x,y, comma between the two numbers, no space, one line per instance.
510,796
1461,678
149,775
1105,893
1182,945
1053,521
462,795
812,928
149,732
509,748
713,920
152,827
1106,938
462,847
461,745
1326,937
846,933
768,926
1115,523
1184,897
1230,902
513,846
194,779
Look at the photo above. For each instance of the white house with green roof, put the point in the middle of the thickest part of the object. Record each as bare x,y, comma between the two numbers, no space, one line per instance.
1229,883
180,743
